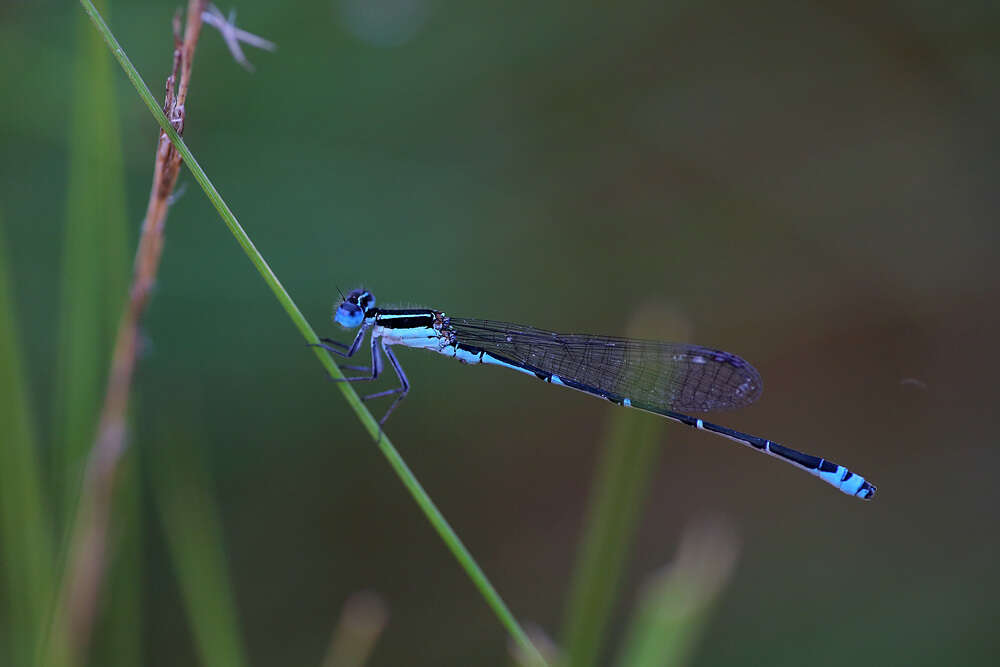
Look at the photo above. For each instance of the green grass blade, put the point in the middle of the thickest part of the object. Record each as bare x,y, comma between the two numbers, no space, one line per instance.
435,517
630,452
631,449
675,605
193,530
94,271
26,541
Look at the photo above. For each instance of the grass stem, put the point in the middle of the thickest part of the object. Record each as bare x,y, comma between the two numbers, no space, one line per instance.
404,473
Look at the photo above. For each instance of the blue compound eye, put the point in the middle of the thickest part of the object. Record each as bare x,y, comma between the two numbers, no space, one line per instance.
348,315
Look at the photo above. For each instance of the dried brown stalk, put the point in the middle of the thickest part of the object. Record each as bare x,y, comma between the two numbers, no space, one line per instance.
78,601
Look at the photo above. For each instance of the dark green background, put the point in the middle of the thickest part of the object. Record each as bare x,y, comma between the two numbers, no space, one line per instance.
810,185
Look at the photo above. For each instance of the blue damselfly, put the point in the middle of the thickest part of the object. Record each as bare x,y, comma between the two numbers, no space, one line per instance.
652,376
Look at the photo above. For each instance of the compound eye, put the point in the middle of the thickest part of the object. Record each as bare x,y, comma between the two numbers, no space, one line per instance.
348,315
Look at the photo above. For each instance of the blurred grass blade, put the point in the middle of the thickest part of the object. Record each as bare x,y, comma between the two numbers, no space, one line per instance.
361,622
631,448
545,645
118,639
26,556
193,532
406,476
630,452
95,263
675,604
94,283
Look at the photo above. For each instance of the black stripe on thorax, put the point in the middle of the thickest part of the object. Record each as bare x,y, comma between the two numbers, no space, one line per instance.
390,312
405,319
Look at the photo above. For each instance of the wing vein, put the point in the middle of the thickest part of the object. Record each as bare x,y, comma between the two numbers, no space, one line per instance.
654,374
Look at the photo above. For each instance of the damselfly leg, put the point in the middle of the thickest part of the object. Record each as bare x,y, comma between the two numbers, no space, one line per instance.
340,350
401,391
374,370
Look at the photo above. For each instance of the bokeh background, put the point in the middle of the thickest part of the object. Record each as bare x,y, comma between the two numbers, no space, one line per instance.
810,185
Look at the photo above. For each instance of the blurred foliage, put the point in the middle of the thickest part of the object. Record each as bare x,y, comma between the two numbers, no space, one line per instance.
672,610
812,185
94,271
630,450
25,525
362,620
193,534
624,471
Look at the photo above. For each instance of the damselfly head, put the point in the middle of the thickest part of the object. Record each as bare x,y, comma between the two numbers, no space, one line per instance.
350,313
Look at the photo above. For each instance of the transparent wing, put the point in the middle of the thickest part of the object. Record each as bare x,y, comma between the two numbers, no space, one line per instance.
675,376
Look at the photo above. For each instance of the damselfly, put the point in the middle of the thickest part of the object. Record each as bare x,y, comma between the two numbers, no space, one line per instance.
648,375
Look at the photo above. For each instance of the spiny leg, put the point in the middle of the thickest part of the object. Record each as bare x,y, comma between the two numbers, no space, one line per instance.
342,349
375,369
401,391
348,351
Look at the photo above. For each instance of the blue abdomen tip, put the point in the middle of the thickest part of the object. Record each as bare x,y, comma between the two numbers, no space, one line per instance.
866,492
